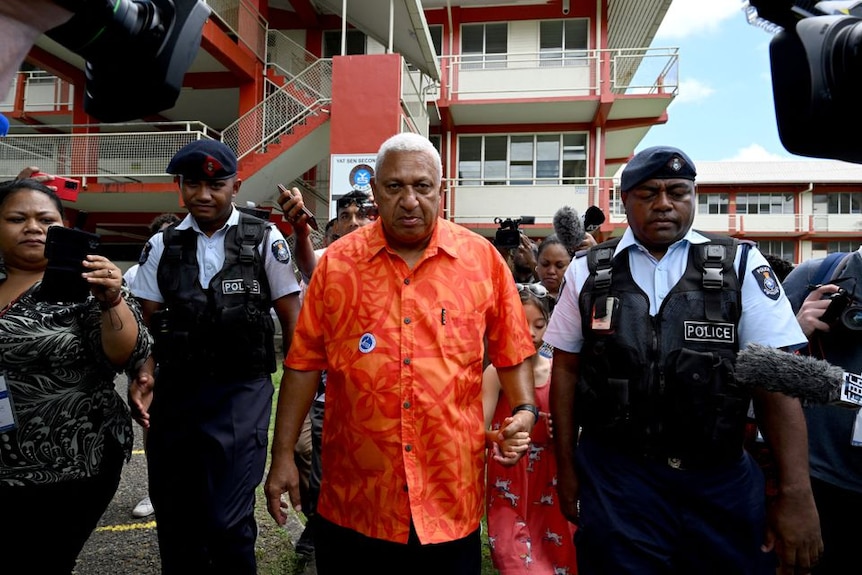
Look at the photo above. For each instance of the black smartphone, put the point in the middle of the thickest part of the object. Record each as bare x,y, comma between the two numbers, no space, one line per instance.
65,249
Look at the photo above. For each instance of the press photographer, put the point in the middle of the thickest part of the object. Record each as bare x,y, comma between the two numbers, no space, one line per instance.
825,296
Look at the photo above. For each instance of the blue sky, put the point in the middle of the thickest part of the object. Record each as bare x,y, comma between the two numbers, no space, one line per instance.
724,109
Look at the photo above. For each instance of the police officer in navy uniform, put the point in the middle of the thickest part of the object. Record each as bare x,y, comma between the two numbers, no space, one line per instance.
648,419
207,285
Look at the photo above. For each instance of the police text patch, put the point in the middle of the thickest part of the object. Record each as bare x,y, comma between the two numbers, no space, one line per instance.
709,331
231,287
766,280
281,251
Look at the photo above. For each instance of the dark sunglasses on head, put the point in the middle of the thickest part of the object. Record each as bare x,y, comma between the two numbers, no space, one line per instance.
537,290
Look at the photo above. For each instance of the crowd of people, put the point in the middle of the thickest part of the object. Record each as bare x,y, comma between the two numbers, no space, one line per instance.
580,399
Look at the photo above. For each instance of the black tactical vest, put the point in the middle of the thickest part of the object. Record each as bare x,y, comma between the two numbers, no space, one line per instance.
663,386
225,331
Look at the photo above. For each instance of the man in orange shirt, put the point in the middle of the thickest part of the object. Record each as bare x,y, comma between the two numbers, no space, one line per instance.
397,313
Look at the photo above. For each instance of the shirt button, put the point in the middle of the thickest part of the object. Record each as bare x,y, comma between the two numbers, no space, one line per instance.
408,448
406,320
406,361
407,281
406,405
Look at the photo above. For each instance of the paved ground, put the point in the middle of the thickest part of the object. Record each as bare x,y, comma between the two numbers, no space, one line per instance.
123,544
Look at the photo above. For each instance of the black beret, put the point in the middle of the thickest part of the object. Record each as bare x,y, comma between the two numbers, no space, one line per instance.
204,160
658,162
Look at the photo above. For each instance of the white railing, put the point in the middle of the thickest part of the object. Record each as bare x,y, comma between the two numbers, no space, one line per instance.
540,199
244,21
288,57
538,74
301,97
140,152
42,92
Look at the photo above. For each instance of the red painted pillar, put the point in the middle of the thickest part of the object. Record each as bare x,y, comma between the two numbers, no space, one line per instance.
366,102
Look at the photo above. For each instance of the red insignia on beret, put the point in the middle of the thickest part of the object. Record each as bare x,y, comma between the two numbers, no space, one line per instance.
211,166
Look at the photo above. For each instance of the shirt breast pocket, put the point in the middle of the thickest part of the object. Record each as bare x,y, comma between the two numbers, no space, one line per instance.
452,331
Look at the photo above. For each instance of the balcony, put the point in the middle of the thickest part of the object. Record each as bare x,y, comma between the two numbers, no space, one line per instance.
558,87
476,204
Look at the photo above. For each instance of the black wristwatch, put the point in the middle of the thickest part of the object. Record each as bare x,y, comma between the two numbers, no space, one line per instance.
528,407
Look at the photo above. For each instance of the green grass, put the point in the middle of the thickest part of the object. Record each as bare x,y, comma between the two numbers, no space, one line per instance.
275,551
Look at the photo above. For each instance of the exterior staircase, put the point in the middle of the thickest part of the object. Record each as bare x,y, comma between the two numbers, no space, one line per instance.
288,132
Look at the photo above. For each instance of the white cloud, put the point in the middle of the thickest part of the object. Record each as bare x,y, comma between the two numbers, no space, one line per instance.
693,91
691,17
756,153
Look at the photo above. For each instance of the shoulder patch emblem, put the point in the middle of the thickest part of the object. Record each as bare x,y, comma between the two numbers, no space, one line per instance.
281,251
145,254
766,280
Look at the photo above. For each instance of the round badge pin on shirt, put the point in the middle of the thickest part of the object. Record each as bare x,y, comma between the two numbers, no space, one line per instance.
367,343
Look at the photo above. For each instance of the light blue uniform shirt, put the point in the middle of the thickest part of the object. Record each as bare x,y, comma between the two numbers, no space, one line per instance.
764,320
210,254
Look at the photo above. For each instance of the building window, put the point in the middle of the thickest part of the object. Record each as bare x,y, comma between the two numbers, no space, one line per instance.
838,203
355,43
522,160
436,32
484,45
835,246
783,249
563,42
712,203
764,204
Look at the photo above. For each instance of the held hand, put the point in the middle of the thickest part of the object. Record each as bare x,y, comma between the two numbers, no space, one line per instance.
283,477
507,450
105,280
813,308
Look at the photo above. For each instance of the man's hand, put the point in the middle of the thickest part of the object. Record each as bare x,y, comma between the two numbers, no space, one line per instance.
294,211
283,477
141,393
812,310
507,449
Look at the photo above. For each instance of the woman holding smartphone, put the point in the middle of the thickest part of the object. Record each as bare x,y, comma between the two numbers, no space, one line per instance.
64,430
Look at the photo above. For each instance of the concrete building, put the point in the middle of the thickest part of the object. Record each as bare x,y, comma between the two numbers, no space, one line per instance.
533,104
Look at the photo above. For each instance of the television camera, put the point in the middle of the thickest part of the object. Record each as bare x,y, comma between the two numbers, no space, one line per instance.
137,52
508,235
816,61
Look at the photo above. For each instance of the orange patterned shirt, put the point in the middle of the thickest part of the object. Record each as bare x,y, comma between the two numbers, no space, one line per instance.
403,349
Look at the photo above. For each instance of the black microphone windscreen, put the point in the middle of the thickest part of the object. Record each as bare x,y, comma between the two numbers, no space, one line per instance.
801,376
569,228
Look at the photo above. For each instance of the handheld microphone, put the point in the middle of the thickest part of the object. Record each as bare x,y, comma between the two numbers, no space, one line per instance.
569,228
801,376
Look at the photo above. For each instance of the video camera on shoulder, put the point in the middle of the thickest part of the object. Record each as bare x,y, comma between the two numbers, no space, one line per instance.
508,234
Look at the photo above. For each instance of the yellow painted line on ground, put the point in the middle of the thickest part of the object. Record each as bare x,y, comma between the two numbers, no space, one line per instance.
137,452
128,526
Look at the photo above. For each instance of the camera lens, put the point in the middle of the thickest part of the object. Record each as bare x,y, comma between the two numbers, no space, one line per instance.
852,318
